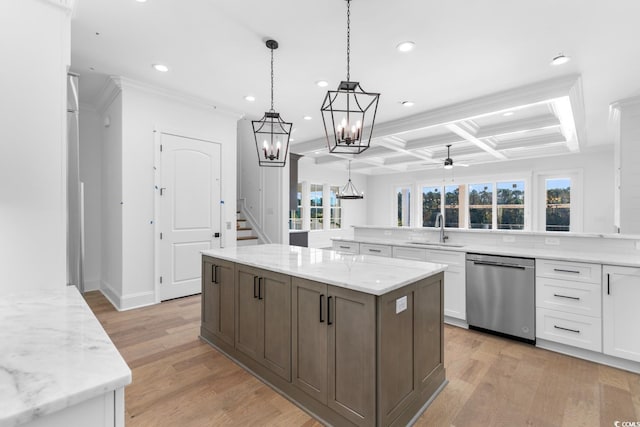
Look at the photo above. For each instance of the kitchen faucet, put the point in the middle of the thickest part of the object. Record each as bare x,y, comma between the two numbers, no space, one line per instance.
440,223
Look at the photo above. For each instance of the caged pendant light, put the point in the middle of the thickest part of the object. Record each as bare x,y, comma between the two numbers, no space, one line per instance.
345,111
271,133
349,191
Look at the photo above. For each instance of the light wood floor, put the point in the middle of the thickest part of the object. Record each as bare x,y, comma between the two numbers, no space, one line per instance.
180,381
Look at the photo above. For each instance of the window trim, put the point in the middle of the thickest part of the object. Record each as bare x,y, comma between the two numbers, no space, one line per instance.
576,205
411,207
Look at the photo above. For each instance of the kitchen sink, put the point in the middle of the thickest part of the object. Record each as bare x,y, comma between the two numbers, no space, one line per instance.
450,245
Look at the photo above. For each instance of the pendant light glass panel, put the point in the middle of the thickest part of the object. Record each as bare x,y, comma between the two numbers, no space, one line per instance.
271,133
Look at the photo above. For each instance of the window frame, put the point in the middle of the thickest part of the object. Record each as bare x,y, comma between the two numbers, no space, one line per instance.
575,205
410,206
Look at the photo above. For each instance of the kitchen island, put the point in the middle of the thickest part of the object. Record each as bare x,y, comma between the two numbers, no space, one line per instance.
352,339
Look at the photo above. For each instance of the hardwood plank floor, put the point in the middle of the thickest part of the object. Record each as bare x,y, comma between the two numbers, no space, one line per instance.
179,380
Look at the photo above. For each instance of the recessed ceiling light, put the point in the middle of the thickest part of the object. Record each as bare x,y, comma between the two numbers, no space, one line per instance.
560,59
307,117
508,113
316,152
291,139
141,1
161,67
406,46
407,103
250,98
322,83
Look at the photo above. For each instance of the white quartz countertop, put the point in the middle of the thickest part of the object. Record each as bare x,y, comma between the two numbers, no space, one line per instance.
53,354
625,260
364,273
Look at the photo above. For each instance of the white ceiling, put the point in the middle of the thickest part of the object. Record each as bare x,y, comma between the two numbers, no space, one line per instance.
465,50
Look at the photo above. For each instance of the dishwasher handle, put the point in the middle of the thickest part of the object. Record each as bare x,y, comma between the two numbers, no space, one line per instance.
498,264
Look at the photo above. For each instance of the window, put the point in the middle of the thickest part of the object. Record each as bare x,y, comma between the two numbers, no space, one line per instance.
452,209
510,205
431,202
403,196
295,217
335,208
481,205
316,210
558,204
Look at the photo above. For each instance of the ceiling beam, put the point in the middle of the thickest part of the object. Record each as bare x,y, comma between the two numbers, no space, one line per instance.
528,124
466,134
434,141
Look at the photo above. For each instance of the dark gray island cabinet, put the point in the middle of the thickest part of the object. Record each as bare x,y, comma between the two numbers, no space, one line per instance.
351,339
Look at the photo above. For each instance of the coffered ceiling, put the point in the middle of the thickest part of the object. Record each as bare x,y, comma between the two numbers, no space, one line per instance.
473,62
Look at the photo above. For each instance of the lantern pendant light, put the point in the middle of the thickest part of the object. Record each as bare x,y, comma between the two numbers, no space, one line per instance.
349,191
345,111
271,133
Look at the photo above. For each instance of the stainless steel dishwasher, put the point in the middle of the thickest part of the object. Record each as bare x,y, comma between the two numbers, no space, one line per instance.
501,295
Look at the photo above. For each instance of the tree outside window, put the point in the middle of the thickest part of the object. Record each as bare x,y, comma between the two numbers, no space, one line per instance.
335,208
558,211
431,202
452,206
316,207
480,205
403,196
510,205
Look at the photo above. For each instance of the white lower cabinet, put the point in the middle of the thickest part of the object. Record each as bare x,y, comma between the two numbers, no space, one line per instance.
620,311
568,301
372,249
350,247
455,295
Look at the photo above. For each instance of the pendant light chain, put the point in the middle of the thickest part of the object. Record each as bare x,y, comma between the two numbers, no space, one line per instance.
272,80
348,40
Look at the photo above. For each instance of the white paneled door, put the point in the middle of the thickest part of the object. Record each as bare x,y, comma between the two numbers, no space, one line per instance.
189,211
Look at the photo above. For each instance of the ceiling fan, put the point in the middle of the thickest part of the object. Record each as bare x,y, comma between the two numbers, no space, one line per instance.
448,162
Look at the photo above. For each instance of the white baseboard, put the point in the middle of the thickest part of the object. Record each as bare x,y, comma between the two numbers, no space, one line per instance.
127,302
456,322
592,356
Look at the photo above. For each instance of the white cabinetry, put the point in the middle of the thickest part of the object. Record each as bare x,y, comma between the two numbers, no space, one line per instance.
568,301
455,298
620,298
415,254
371,249
350,247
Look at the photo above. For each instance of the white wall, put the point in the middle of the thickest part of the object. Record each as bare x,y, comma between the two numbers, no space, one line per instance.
597,169
128,225
111,198
35,53
354,212
265,189
91,176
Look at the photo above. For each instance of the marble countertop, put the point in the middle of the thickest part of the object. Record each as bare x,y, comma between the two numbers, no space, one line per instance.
53,354
623,260
364,273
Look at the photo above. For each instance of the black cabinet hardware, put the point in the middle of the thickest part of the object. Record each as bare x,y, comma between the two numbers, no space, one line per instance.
215,270
375,250
213,273
560,270
255,286
567,329
345,247
321,298
566,296
260,281
329,322
608,284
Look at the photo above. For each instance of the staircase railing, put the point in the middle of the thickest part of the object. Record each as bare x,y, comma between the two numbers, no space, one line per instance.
246,214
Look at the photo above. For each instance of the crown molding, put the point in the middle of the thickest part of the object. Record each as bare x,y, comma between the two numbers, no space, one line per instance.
194,101
67,5
109,92
631,102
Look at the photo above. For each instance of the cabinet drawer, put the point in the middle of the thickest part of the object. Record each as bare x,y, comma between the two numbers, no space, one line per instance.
351,247
446,257
380,250
567,270
570,329
569,296
410,253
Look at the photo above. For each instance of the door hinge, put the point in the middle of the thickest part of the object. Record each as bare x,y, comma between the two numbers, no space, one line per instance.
160,236
160,279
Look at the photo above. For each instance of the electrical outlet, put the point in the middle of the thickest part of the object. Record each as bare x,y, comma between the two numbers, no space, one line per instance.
228,223
401,304
552,241
508,239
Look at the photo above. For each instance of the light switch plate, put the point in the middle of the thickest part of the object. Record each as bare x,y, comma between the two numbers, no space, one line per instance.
552,241
401,304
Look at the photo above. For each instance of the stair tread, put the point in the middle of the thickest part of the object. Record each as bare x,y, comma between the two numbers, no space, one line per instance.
244,228
247,238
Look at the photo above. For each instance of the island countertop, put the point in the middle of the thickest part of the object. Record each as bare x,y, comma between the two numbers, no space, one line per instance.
364,273
53,354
